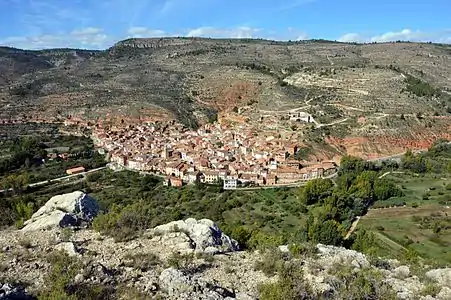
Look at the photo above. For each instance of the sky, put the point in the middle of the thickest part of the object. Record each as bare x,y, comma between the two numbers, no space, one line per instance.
98,24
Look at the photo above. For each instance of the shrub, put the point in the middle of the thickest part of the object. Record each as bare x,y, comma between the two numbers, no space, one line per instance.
430,289
272,262
182,262
363,284
66,234
25,243
123,223
298,250
291,285
63,269
142,261
209,258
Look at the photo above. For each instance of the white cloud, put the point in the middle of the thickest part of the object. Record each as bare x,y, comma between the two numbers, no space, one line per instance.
144,32
402,35
89,38
238,32
351,37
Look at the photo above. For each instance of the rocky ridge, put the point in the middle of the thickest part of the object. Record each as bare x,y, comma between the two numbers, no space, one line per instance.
229,275
191,259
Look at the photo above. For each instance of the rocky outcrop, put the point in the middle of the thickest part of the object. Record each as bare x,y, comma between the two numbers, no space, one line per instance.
203,236
73,209
440,276
330,255
178,285
147,265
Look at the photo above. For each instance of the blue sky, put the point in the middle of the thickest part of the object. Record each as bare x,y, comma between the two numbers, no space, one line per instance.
35,24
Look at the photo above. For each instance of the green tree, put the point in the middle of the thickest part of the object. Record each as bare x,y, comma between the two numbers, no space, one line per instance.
315,191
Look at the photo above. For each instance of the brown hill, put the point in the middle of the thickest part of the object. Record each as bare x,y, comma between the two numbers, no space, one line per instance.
190,79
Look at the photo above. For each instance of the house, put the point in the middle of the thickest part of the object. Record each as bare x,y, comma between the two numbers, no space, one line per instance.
301,116
293,164
230,184
173,181
281,156
211,176
271,179
119,159
190,177
176,182
329,168
76,170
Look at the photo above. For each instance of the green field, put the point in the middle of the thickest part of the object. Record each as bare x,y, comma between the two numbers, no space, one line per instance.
425,189
423,225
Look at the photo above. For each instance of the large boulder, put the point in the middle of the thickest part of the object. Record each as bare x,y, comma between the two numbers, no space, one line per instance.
440,276
182,286
330,256
73,209
204,234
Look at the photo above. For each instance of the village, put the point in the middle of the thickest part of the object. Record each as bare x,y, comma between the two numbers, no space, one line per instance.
216,153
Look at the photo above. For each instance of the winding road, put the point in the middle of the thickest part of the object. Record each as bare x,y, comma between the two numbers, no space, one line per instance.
60,178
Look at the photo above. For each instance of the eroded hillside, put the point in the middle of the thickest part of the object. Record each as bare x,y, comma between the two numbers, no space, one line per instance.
389,96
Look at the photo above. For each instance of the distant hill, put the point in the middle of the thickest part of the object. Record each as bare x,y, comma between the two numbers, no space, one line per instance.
190,79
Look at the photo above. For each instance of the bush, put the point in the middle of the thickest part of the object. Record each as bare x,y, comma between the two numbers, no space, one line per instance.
299,250
66,234
63,269
291,285
431,289
25,243
272,262
142,261
363,284
123,223
182,262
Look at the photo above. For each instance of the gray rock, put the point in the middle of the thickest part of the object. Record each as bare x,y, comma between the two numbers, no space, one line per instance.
79,278
175,283
405,288
63,211
444,294
68,247
401,272
204,234
330,255
441,276
243,296
181,286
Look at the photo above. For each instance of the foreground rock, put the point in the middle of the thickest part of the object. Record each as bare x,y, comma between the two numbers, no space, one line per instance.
73,209
181,286
203,235
144,264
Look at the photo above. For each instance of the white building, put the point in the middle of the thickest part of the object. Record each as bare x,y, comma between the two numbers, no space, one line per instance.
301,116
230,184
